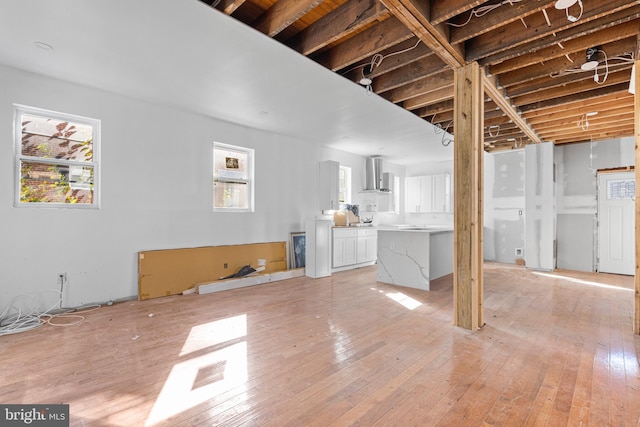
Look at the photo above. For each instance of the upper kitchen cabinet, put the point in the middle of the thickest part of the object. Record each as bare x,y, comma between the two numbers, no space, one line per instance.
329,185
428,194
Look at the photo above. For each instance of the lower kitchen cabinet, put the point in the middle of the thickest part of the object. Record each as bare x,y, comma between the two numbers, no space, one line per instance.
344,246
367,246
353,247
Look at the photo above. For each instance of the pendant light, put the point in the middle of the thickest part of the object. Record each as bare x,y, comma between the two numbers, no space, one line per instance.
565,4
591,59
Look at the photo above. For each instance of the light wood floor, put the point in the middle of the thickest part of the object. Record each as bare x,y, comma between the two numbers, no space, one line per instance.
556,350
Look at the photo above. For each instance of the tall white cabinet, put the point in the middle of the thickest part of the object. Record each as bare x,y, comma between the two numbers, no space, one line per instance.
329,185
318,247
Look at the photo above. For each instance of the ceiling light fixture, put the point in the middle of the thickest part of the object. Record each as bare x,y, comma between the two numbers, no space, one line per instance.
591,60
566,4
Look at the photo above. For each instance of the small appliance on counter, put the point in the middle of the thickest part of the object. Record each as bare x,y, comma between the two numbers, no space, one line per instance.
347,215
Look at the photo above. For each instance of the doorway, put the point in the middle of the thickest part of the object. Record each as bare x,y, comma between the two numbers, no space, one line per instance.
616,235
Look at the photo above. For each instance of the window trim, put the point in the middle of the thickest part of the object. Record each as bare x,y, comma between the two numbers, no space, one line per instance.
19,111
250,181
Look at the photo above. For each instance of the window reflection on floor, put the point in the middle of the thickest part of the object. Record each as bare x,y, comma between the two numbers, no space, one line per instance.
220,364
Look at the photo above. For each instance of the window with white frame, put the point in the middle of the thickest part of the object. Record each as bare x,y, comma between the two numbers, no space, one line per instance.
344,185
232,178
56,159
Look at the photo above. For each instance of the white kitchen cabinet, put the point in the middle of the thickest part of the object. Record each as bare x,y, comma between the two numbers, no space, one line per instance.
344,246
418,194
428,194
367,249
329,185
354,246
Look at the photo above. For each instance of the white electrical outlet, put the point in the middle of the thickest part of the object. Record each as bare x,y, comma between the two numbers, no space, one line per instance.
519,251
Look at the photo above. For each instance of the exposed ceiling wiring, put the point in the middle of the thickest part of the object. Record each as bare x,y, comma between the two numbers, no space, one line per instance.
376,60
626,58
479,12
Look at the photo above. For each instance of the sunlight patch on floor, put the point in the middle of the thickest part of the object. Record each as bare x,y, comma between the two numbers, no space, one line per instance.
580,281
198,379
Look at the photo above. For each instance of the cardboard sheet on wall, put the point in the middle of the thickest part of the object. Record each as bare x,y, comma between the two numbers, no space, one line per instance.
172,271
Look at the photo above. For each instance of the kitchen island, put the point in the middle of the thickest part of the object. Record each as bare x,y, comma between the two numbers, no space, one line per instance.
414,255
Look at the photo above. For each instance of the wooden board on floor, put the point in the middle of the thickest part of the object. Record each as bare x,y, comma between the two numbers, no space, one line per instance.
172,271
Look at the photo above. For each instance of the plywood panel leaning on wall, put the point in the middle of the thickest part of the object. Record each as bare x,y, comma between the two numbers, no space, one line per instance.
173,271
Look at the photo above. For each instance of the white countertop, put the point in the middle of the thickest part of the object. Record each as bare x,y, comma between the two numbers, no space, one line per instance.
417,228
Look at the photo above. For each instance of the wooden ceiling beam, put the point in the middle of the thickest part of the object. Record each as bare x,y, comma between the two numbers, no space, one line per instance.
582,96
620,132
498,17
388,33
619,32
227,6
410,73
497,95
338,24
414,14
573,88
514,34
436,109
594,125
420,87
574,61
443,10
395,57
282,14
574,119
621,99
544,83
576,31
442,94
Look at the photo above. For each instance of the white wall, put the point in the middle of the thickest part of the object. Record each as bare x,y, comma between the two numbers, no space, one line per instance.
156,192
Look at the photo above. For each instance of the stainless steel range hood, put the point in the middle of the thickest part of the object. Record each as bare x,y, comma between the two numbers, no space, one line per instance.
374,175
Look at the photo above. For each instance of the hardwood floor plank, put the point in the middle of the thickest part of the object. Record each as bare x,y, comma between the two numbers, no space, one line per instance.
557,349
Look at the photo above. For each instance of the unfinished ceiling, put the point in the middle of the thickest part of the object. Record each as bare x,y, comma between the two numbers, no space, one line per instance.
533,53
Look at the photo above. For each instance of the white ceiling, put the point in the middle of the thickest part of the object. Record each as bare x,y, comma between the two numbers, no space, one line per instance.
184,54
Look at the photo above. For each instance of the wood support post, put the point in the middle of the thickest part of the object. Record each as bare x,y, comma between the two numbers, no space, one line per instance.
636,315
468,193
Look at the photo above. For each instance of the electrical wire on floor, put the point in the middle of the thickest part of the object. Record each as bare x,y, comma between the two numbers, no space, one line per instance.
24,313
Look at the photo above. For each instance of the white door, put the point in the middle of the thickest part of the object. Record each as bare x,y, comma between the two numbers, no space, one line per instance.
616,244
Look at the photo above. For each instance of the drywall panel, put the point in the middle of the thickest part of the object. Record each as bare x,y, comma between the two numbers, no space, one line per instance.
504,182
576,241
539,207
173,271
576,203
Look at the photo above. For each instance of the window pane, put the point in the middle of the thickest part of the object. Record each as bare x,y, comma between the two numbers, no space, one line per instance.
230,164
50,183
230,195
56,139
